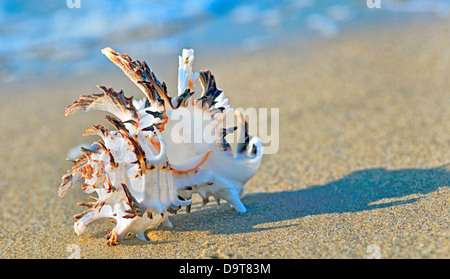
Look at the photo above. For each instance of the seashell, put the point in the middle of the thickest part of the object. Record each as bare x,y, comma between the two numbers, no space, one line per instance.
140,171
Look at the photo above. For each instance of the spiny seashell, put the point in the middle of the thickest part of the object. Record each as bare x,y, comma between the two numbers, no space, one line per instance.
141,171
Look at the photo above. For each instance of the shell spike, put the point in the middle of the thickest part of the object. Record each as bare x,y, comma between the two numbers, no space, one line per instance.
233,198
139,73
186,78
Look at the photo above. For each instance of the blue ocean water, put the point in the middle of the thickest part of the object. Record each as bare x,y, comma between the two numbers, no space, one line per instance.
64,37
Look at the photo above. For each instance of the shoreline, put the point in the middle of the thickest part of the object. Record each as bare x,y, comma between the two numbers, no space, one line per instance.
163,62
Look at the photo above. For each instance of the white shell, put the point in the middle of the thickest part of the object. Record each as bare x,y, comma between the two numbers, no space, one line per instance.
141,172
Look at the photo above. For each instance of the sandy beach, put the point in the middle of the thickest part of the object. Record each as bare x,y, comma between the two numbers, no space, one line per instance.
361,171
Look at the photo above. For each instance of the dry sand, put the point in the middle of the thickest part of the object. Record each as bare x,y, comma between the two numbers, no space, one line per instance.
364,143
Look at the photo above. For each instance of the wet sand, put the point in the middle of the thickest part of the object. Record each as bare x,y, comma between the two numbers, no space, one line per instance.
361,166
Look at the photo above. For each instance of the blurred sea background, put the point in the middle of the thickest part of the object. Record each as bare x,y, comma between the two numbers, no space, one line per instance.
47,38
